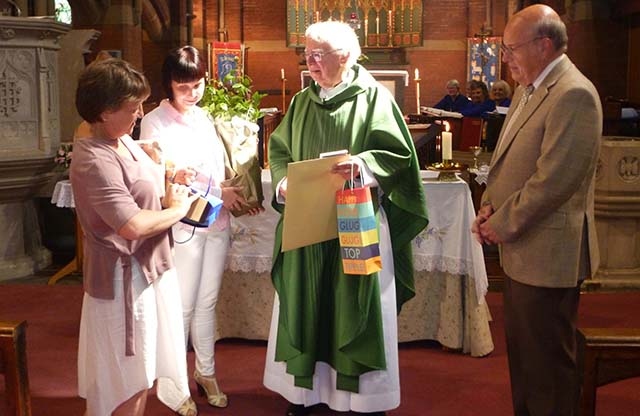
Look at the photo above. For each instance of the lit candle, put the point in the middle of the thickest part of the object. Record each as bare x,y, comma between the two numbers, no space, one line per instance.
209,75
417,80
282,73
446,145
377,25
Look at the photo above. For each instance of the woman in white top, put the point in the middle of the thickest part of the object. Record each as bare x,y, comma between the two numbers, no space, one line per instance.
194,155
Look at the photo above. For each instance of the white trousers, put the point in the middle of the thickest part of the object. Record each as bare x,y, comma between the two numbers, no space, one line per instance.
200,264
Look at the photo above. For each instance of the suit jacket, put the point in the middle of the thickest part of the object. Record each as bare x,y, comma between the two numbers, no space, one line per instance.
541,182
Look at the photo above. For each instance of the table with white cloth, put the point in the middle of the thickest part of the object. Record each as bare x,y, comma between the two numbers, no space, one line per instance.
62,197
450,278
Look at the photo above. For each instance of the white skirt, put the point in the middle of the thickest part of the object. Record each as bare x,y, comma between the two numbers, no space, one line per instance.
378,390
106,376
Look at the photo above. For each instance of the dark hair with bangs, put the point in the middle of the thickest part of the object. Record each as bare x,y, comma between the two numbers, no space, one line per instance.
106,85
184,64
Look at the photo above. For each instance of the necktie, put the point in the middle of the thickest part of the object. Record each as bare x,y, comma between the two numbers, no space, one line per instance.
523,101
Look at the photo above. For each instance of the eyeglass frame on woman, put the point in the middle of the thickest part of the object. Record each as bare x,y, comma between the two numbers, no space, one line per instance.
506,49
318,54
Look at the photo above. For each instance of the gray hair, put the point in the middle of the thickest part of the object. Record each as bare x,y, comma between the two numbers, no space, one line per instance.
453,83
339,36
553,28
505,86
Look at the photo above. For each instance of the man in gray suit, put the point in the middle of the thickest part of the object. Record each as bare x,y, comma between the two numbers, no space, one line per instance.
538,206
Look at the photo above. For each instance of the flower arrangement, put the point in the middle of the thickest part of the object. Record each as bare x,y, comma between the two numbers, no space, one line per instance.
63,155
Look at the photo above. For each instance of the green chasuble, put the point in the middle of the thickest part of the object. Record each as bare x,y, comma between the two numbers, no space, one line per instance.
324,314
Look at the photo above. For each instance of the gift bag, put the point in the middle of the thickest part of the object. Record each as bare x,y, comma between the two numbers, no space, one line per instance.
358,231
240,138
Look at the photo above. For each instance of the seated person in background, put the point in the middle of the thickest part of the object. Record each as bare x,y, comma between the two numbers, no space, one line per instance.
501,93
453,101
480,101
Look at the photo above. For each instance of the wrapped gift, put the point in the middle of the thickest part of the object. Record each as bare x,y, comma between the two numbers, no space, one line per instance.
240,138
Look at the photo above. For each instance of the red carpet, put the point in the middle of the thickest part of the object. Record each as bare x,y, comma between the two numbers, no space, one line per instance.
434,382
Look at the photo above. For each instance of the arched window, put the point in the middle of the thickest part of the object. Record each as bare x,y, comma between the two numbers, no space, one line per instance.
63,11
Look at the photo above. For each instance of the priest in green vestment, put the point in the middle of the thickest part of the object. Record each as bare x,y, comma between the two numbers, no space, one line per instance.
333,336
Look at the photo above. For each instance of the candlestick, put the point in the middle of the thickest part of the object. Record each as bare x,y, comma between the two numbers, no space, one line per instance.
417,96
366,31
284,92
446,147
209,76
417,80
390,27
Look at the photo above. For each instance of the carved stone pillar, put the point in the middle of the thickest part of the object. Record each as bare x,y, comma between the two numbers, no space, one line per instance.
29,135
617,210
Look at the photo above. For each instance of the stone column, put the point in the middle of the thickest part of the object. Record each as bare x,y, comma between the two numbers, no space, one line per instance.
617,211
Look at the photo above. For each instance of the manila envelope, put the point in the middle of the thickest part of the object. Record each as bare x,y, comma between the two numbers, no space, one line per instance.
310,212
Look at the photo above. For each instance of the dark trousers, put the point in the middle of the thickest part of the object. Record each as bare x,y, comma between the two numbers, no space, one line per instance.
540,328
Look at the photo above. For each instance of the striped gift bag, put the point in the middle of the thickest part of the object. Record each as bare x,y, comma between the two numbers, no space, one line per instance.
358,231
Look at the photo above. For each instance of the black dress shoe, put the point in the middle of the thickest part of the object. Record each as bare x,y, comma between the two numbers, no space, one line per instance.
297,410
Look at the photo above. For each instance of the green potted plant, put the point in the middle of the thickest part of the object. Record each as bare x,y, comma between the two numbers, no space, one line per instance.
235,109
233,96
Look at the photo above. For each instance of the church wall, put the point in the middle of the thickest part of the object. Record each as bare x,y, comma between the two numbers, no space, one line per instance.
442,56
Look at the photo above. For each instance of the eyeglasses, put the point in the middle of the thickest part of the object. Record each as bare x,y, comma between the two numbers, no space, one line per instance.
506,49
317,55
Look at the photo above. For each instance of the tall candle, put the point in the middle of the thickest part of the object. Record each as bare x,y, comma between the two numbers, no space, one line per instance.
377,25
281,73
417,80
209,75
446,145
317,16
366,31
417,97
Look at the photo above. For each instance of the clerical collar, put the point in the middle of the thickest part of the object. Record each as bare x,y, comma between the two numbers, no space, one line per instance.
328,93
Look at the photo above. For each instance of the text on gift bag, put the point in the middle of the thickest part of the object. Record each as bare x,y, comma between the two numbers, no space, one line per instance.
358,231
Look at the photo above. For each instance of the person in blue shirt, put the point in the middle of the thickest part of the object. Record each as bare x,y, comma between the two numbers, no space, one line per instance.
480,101
501,93
453,101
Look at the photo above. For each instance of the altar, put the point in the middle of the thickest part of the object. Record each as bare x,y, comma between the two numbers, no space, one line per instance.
451,279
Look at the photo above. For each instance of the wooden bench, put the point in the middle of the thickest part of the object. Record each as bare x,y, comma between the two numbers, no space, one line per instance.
609,354
13,365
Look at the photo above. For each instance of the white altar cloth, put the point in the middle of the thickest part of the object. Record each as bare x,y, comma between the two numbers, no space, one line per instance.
451,279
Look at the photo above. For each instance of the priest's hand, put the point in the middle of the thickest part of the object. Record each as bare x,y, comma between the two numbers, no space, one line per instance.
347,170
282,189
